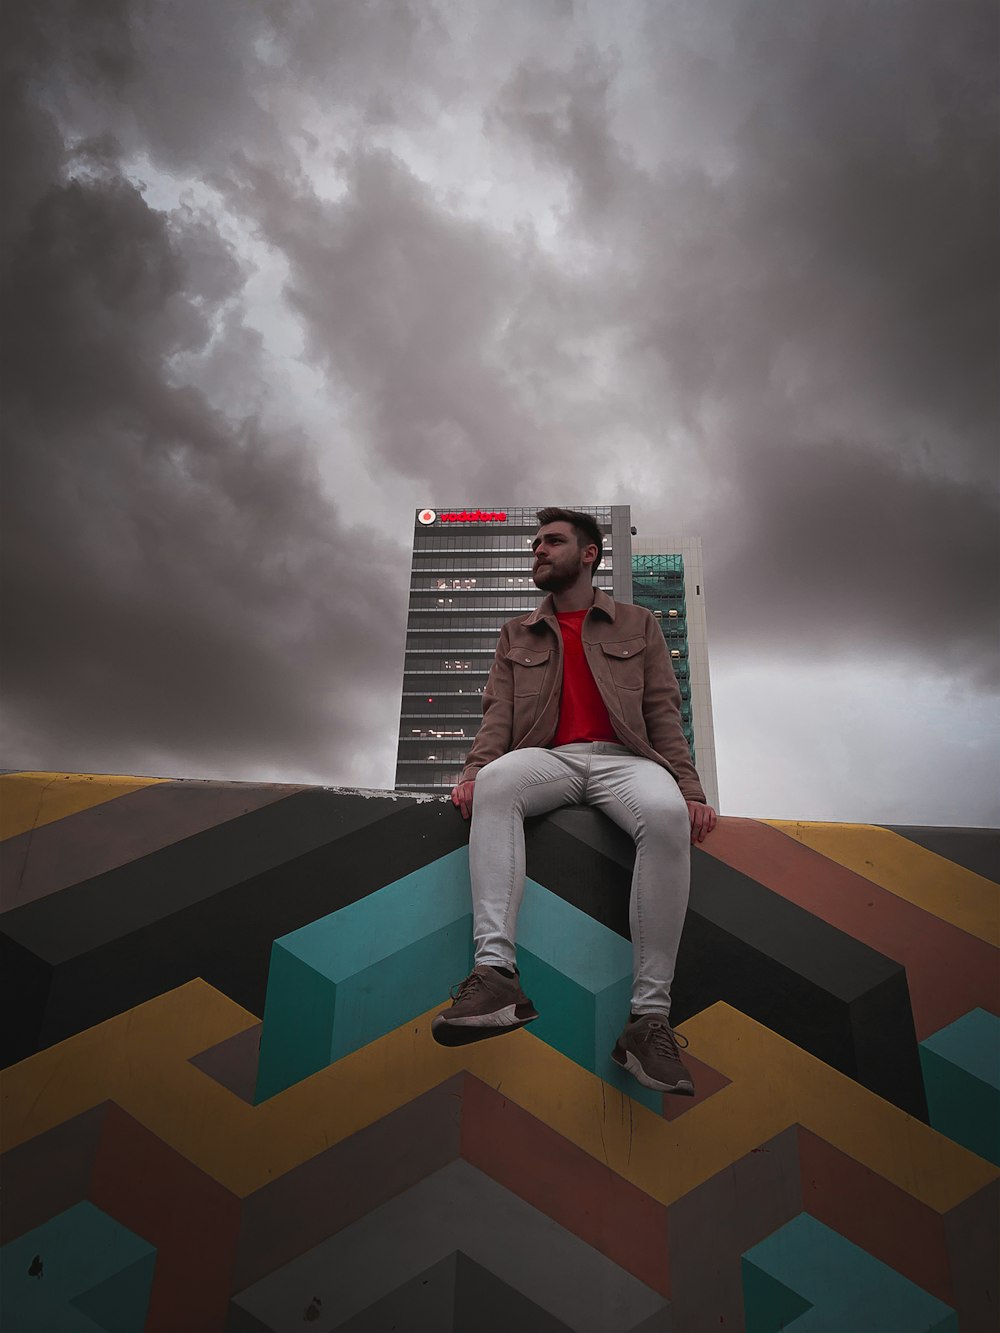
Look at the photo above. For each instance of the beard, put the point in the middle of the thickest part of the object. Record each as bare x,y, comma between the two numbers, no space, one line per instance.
549,579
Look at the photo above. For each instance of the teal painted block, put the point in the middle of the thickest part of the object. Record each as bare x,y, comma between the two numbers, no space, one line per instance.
379,925
841,1286
375,1001
962,1107
584,985
298,1023
971,1043
571,941
112,1304
770,1306
565,1008
96,1275
961,1068
352,976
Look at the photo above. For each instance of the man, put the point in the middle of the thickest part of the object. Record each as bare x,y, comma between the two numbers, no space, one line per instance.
581,707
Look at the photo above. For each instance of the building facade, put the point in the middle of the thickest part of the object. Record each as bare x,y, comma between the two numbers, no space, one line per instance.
668,577
471,571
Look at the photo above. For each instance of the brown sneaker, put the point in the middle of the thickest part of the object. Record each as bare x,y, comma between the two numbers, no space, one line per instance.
485,1004
647,1048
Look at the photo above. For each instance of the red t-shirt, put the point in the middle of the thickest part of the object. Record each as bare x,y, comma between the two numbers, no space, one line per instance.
582,714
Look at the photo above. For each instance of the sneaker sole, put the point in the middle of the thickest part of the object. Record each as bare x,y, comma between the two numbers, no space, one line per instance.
682,1088
449,1032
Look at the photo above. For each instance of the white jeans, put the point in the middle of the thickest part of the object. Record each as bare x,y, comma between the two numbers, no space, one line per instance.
638,795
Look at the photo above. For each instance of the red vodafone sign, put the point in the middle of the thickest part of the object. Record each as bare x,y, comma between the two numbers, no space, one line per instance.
466,516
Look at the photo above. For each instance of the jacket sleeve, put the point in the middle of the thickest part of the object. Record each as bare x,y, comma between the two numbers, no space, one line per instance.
661,710
496,731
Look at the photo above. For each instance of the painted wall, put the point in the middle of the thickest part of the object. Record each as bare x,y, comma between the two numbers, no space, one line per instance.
222,1108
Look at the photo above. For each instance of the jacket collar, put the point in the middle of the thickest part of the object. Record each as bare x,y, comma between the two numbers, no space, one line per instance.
545,610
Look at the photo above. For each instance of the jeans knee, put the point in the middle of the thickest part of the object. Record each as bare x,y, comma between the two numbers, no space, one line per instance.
666,821
496,782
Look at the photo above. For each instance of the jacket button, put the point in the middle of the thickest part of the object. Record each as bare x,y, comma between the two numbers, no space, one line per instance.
625,653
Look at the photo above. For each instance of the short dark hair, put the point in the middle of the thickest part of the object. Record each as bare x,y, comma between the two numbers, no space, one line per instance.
584,525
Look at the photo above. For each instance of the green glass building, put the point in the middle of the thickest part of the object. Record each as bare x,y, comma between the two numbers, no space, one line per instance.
658,585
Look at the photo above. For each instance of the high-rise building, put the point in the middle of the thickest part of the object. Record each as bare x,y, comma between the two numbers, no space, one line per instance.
668,578
471,571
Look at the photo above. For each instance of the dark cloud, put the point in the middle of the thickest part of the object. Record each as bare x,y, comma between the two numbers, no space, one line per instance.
176,585
405,305
564,115
813,300
840,553
832,251
732,264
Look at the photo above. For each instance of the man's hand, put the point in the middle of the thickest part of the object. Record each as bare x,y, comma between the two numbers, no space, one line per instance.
462,797
703,819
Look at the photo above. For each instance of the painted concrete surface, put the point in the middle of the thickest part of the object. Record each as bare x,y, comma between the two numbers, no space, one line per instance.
218,999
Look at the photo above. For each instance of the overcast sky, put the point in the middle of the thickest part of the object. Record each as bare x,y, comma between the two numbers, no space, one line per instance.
277,273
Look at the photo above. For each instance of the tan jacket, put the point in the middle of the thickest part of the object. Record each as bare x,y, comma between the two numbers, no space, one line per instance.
627,654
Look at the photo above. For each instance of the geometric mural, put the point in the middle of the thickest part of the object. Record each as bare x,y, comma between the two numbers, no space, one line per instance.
222,1107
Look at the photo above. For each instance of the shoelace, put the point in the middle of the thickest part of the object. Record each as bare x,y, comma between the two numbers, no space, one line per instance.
472,982
664,1040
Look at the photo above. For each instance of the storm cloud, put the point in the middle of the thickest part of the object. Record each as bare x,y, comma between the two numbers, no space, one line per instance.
275,274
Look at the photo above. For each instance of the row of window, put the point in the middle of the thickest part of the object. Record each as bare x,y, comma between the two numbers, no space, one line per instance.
476,660
449,714
473,555
425,687
514,552
470,638
481,643
432,752
482,633
477,567
467,604
418,773
475,583
442,734
439,696
428,788
664,585
466,539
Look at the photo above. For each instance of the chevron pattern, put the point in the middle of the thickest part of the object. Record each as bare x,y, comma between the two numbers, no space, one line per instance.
222,1108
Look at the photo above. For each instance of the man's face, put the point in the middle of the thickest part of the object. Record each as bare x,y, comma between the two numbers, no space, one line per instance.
558,557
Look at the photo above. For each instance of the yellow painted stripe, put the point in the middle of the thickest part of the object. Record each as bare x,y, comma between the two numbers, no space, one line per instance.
140,1059
902,867
29,800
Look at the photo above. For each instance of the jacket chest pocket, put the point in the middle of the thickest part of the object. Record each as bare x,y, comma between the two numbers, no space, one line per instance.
529,669
626,662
